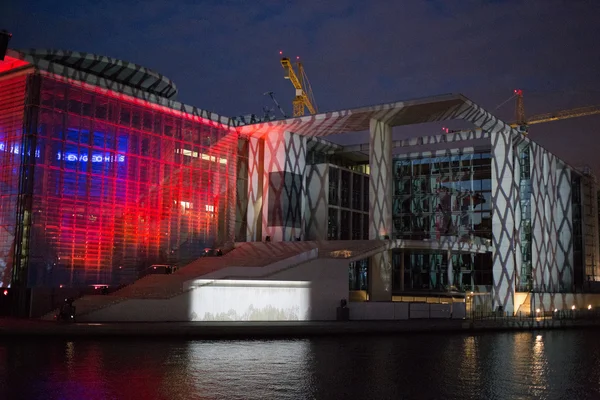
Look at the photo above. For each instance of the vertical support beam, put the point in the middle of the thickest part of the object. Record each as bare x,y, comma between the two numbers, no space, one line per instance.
504,195
255,189
380,180
564,218
317,202
380,208
284,182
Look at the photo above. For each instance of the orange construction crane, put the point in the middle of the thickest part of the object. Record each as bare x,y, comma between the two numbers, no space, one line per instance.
522,123
304,95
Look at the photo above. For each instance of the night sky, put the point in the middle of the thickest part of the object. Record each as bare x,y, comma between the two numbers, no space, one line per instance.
223,55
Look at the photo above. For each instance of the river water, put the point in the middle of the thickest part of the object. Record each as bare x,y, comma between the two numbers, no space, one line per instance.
526,365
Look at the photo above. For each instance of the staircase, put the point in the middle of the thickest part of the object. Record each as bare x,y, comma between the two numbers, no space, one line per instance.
246,255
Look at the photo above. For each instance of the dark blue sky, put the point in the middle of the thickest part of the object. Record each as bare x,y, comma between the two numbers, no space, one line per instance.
223,55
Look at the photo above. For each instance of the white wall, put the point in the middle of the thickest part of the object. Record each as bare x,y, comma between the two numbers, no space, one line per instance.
329,284
311,291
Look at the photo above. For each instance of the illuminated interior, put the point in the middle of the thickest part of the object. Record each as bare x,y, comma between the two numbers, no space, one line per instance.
117,185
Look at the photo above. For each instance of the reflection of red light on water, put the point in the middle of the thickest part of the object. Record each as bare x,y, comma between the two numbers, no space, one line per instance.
6,292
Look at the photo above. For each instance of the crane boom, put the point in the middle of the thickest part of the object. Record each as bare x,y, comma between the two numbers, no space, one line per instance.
565,114
302,99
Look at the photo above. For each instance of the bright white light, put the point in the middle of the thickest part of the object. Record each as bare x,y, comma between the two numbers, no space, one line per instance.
246,300
210,208
573,307
538,337
556,310
537,311
589,307
206,157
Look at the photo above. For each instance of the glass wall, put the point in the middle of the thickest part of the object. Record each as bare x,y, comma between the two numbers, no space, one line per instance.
358,274
437,197
348,205
120,186
443,196
526,278
12,102
428,270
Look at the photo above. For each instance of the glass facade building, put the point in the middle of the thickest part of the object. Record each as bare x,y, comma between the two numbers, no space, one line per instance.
106,185
437,197
348,205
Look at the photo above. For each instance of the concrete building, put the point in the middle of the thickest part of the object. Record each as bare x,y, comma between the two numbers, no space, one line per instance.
105,173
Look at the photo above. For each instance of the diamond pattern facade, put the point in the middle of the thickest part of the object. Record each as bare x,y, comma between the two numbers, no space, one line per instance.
504,219
277,187
317,205
255,189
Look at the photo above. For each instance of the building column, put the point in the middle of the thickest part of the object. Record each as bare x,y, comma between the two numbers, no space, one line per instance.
284,182
255,189
380,208
504,200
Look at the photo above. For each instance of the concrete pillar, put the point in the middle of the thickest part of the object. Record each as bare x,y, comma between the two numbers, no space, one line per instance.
380,180
284,182
380,208
255,189
504,194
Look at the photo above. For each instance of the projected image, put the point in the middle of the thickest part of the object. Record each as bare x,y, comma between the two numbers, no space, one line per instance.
233,300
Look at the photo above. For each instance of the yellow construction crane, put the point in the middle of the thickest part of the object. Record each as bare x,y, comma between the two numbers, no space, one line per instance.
304,95
522,123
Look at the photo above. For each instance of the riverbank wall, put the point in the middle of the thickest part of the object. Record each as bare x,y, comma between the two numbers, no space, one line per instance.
262,330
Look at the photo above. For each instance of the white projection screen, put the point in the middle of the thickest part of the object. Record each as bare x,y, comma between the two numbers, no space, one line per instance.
247,300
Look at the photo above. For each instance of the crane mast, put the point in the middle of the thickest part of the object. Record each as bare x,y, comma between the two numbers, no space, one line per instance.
304,97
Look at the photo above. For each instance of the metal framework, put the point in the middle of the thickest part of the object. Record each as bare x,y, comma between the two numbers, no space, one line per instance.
304,96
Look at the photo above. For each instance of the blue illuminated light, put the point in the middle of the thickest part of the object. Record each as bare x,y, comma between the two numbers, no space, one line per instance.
14,149
96,158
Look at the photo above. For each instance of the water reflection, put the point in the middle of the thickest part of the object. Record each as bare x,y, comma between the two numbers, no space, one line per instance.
237,369
549,365
538,368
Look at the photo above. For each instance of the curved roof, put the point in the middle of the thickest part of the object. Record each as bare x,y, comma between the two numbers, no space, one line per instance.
112,69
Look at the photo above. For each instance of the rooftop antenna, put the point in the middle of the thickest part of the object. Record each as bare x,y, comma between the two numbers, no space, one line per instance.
272,95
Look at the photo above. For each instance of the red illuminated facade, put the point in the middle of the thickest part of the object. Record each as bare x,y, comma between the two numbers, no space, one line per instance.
98,184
